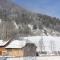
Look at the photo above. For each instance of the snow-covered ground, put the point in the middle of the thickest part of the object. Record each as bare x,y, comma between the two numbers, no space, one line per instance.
48,58
46,41
33,58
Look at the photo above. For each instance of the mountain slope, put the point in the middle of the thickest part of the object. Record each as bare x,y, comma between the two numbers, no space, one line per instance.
29,23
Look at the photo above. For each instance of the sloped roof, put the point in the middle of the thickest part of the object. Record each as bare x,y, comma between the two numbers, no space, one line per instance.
16,44
30,44
2,43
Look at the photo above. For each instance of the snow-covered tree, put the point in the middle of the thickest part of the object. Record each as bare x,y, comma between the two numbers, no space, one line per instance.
52,45
41,44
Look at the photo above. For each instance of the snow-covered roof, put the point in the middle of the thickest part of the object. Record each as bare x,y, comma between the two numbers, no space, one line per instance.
2,43
16,44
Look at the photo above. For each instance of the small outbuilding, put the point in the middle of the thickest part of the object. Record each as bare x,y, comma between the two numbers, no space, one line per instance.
29,49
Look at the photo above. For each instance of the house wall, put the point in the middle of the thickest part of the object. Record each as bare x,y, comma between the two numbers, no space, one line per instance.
3,51
28,51
15,52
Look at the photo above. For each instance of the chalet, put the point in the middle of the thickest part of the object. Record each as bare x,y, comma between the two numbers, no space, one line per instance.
17,48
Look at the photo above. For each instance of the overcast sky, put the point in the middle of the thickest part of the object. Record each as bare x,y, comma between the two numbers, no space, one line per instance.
49,7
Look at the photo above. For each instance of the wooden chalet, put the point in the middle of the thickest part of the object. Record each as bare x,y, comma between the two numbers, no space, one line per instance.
17,48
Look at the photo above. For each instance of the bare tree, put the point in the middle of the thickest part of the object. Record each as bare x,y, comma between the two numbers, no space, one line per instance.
41,44
7,30
52,45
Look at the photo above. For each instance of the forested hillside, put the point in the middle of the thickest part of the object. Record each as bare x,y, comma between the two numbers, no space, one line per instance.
28,23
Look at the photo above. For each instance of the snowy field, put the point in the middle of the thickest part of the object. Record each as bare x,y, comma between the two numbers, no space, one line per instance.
48,58
33,58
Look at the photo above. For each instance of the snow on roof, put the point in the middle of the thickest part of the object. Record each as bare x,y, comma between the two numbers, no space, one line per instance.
16,44
2,43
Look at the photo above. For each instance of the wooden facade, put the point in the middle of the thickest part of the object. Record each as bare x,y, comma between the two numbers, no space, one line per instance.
3,51
15,52
28,50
